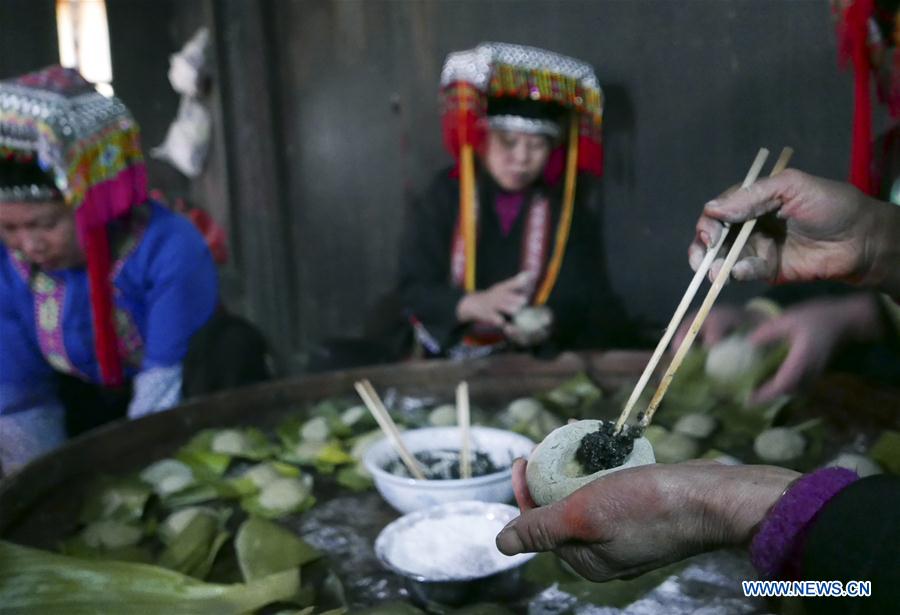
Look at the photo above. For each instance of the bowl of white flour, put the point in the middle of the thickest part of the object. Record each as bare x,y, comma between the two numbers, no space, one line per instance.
447,554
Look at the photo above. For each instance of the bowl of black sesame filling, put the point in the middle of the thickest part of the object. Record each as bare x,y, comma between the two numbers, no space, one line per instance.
438,453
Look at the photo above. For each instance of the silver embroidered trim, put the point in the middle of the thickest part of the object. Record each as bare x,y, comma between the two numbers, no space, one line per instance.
28,194
474,65
530,125
71,119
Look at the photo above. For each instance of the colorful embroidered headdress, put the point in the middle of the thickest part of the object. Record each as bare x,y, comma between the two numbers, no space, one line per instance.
90,145
473,82
471,78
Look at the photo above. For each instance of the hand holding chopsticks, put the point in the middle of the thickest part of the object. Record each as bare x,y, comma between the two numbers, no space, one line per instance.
712,295
686,300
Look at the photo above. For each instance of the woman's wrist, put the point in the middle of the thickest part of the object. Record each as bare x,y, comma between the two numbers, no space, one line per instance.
736,503
464,309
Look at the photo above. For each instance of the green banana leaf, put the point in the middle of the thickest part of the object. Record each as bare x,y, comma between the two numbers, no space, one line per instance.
193,538
264,548
36,582
258,476
168,476
536,425
111,540
358,419
325,456
282,497
199,493
115,499
179,484
355,478
573,397
204,461
248,443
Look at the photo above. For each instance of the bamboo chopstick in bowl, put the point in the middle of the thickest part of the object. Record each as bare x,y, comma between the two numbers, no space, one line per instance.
383,418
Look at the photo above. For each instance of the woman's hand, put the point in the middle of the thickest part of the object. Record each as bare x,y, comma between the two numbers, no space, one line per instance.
815,331
809,229
494,305
639,519
530,326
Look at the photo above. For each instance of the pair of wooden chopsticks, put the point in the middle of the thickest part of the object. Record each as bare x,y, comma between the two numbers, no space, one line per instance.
383,418
716,288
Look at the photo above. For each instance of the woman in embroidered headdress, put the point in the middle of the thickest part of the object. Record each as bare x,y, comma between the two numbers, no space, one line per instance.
98,285
503,248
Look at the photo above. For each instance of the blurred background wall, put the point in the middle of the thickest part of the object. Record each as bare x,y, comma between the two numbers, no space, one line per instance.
325,126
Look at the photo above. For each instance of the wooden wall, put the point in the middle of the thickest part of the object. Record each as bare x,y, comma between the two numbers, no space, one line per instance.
27,36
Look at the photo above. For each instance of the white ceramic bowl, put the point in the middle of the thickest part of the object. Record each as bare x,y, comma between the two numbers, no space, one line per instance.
490,578
409,494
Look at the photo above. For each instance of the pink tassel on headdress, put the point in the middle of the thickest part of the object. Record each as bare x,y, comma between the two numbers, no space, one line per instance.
104,202
105,340
590,156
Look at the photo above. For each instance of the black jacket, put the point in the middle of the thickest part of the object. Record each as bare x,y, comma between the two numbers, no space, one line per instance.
586,312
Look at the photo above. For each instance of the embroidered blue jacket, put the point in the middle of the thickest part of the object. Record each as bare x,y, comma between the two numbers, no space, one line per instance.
165,289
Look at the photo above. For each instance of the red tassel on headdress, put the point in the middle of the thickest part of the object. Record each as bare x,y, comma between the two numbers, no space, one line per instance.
105,340
853,47
459,126
590,156
462,118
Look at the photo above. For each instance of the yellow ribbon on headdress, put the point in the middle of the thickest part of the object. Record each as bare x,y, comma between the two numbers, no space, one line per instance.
565,219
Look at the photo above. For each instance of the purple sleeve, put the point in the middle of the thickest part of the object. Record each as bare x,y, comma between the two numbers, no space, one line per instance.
776,548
